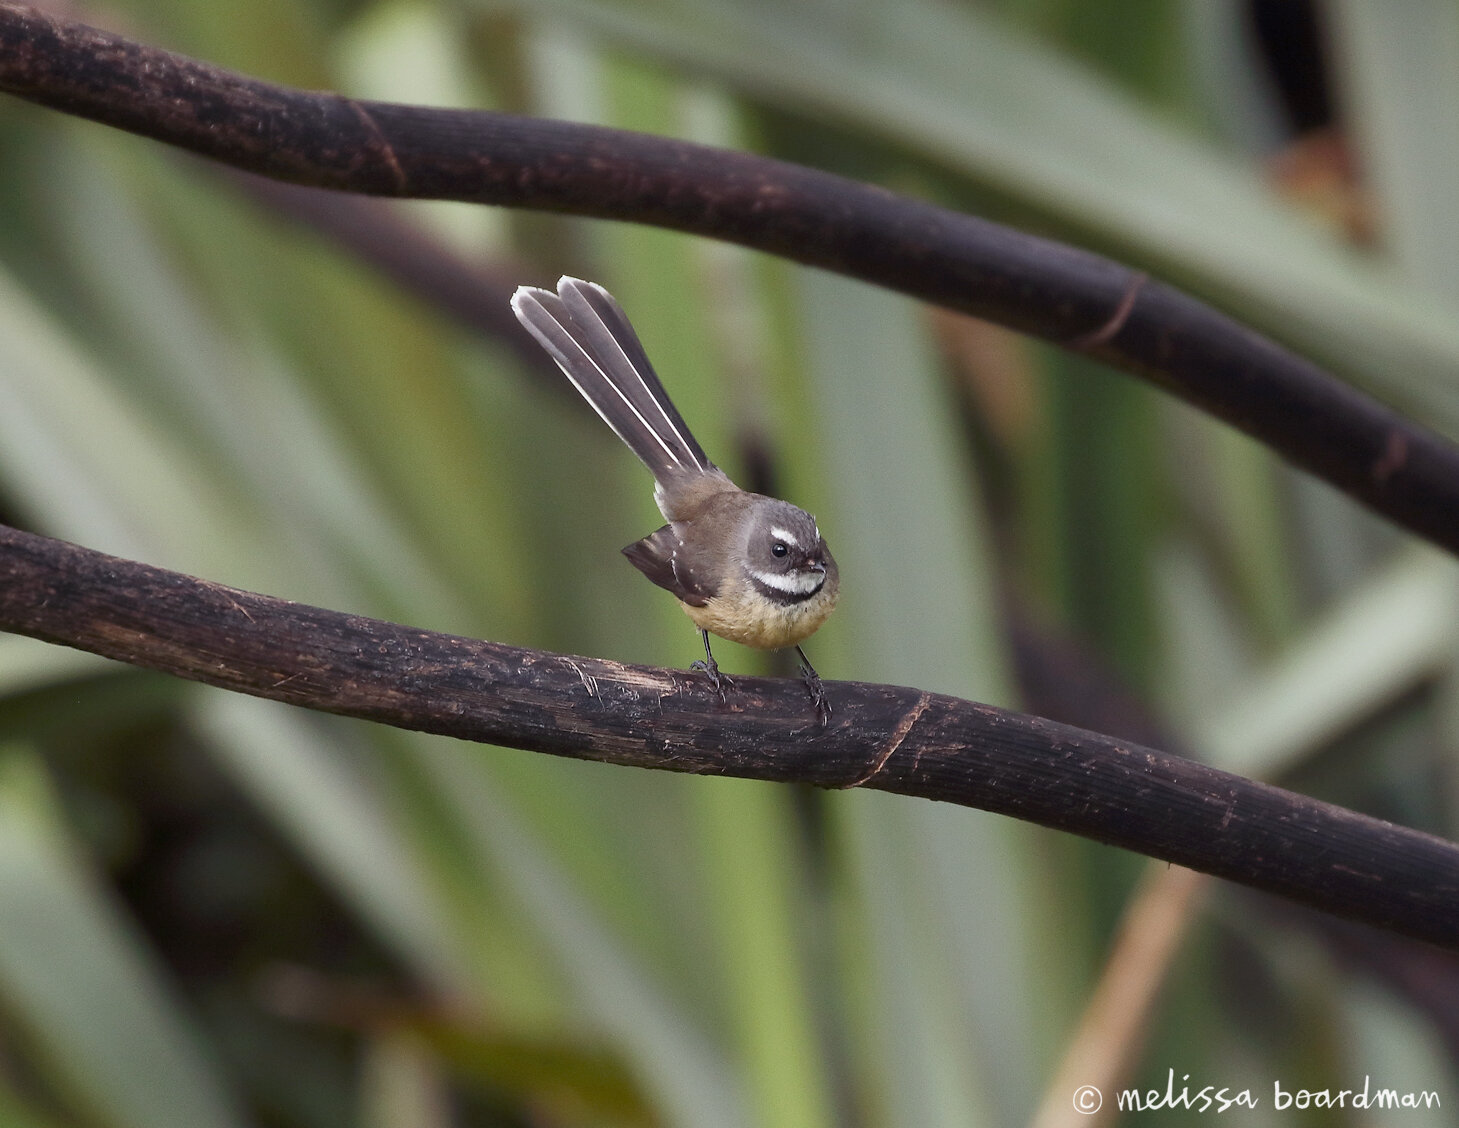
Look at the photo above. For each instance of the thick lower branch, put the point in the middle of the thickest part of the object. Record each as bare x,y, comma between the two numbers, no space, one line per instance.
885,737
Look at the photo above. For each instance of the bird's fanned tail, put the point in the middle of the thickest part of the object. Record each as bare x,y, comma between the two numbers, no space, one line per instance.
589,336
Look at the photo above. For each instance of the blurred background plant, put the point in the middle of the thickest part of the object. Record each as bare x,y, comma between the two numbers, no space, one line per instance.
218,911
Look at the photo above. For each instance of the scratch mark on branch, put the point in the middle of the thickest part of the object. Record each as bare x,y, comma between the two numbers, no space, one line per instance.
402,182
1394,458
589,683
1110,329
899,734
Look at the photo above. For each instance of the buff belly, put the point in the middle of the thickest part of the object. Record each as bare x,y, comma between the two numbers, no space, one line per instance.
750,619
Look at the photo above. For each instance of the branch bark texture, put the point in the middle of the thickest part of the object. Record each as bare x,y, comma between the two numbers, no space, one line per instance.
889,738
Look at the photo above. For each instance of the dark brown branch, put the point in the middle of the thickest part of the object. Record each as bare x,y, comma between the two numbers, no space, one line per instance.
884,737
1053,291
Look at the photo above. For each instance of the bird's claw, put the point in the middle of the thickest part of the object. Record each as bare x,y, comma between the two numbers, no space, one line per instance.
720,683
815,689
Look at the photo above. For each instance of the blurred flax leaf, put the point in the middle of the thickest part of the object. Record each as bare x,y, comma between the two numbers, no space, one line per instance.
282,39
758,878
228,399
87,463
672,1056
78,979
917,1059
1400,66
14,1113
962,88
403,1086
384,375
1387,636
27,664
587,1084
307,784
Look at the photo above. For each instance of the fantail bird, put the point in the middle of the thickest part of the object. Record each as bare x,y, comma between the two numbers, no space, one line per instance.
749,568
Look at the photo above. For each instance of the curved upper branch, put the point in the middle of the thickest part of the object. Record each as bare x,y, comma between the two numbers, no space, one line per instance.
881,736
1054,291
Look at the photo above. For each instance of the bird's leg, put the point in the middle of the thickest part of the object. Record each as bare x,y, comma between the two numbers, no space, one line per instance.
815,688
718,682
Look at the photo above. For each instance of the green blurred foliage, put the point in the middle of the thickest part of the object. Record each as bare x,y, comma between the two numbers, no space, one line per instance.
214,910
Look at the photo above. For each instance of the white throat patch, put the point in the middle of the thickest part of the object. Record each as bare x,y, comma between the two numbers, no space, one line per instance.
792,583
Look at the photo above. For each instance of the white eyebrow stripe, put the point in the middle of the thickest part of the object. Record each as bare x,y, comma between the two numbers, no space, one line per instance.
794,583
781,535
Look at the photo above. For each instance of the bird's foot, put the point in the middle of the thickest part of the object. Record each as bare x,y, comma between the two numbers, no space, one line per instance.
720,683
814,688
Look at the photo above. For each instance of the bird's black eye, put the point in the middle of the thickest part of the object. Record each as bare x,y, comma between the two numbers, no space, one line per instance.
778,549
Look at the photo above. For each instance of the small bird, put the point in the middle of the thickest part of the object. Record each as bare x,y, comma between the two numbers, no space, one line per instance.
746,567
